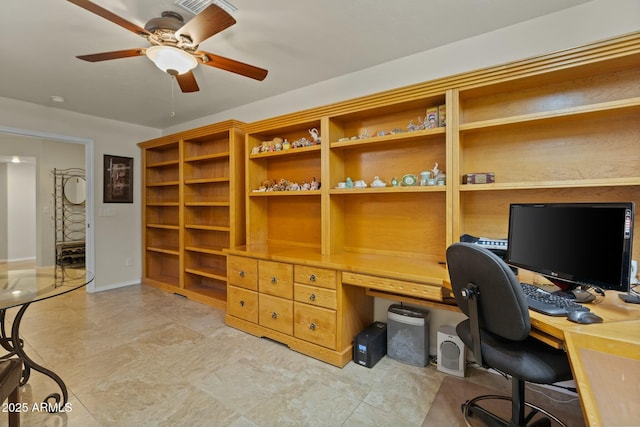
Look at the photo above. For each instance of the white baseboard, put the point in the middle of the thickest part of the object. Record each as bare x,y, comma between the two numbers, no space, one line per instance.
108,287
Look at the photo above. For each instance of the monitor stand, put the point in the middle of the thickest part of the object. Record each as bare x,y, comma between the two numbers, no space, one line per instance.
572,292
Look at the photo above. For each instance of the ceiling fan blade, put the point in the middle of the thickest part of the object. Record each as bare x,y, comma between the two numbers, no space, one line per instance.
110,16
187,82
210,21
105,56
234,66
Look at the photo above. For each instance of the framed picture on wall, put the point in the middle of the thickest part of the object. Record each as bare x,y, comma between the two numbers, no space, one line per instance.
118,179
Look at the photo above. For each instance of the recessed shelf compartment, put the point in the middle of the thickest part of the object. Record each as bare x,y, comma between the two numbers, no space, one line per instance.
209,168
386,119
163,267
215,192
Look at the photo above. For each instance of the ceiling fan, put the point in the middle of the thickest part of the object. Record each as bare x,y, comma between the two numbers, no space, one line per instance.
174,43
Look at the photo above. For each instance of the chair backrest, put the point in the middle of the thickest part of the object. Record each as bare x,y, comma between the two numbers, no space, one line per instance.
502,308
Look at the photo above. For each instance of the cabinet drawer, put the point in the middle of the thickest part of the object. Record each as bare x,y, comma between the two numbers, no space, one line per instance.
275,278
314,295
315,324
242,303
276,313
421,290
243,272
315,276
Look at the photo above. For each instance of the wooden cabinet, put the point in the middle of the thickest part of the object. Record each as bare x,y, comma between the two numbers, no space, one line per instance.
302,306
193,209
561,127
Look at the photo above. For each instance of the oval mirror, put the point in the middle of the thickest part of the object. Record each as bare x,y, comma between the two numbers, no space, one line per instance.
75,190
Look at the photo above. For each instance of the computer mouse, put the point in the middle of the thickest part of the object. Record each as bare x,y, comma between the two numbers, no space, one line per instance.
584,317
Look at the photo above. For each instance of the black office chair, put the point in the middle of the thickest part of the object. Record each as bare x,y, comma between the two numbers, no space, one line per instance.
497,331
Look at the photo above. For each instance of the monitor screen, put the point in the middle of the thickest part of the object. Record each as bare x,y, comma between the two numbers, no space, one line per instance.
573,244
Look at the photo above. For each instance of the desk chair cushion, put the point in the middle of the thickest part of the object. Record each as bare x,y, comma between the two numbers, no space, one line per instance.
530,360
503,311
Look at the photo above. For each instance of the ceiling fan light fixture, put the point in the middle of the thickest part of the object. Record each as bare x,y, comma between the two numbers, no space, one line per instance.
171,60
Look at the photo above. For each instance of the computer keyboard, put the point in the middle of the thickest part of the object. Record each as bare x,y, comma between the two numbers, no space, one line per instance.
547,303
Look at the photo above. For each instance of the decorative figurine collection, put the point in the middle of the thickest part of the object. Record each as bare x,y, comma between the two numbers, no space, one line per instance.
435,117
279,144
286,185
433,177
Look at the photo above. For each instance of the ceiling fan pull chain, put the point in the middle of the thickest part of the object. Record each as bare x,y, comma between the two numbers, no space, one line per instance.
173,112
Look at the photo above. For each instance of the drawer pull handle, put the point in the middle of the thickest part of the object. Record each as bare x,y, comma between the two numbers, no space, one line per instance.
312,326
241,303
274,280
312,297
241,273
274,315
312,278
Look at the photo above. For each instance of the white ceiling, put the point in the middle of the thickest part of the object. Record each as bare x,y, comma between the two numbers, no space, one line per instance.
300,42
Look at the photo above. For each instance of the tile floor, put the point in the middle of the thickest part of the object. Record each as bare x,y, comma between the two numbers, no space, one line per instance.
138,356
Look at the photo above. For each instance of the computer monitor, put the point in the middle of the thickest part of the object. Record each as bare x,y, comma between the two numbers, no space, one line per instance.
573,244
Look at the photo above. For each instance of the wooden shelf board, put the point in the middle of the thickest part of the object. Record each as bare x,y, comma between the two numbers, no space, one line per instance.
162,184
206,180
164,226
369,190
207,204
404,136
163,204
599,108
162,164
291,151
284,193
577,183
207,227
220,155
212,251
163,250
210,273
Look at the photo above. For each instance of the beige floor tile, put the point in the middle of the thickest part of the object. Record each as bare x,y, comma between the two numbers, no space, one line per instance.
138,356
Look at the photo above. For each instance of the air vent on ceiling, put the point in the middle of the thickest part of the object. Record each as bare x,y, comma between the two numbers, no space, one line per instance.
197,6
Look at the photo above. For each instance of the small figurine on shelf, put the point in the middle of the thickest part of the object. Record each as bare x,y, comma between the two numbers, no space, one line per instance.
315,185
315,135
438,176
395,182
435,170
286,144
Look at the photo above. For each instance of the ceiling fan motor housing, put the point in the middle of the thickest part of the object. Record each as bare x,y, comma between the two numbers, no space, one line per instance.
168,21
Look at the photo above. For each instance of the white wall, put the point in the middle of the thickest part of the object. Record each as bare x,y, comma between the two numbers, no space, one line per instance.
116,237
593,21
21,214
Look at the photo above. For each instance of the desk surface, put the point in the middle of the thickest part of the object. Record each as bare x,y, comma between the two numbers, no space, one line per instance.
19,287
605,359
611,308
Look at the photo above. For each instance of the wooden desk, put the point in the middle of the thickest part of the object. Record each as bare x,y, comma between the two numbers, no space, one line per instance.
605,360
611,308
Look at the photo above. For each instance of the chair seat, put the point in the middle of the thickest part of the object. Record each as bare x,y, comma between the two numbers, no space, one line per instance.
530,360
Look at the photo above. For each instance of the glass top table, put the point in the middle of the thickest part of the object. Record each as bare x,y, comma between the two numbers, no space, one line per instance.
21,288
